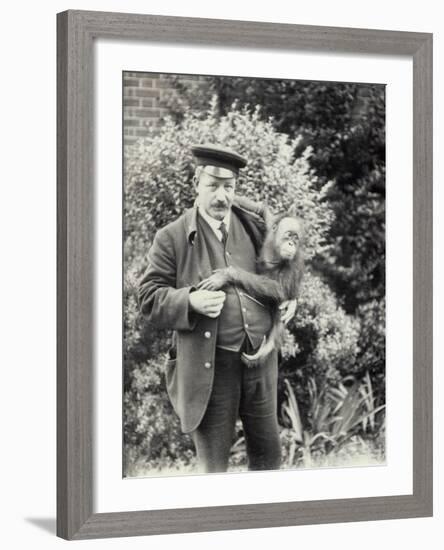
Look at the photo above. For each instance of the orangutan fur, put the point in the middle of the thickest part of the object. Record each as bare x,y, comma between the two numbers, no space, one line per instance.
279,272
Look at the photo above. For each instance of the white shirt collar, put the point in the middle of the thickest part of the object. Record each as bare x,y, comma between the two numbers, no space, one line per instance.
214,224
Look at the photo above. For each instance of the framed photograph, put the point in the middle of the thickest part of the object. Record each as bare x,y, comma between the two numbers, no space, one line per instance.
244,275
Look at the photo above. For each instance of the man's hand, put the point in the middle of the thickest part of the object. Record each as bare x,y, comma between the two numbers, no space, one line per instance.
207,302
288,309
216,281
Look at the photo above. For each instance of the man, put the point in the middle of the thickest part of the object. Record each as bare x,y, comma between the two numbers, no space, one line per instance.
207,383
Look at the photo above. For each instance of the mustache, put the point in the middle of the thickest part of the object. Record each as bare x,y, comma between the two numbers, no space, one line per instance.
219,204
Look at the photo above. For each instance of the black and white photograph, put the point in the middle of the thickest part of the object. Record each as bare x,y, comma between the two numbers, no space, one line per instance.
253,274
221,243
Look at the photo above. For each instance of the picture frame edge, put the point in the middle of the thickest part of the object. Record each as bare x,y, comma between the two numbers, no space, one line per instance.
76,31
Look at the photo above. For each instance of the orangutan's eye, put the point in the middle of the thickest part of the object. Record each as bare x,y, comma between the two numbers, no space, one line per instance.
292,236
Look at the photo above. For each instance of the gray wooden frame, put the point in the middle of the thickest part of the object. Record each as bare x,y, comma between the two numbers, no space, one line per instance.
76,32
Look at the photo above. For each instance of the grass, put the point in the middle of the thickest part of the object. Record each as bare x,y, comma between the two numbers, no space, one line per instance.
357,452
346,429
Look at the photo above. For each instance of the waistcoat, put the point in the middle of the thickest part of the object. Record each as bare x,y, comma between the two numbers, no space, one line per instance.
242,315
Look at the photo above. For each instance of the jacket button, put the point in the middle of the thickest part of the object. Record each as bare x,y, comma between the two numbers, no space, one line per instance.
207,334
207,365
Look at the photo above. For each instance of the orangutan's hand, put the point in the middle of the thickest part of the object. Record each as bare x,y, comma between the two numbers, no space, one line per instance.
288,309
216,281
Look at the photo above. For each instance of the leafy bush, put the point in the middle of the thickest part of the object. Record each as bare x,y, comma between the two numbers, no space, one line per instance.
158,187
337,414
371,344
322,344
159,170
344,122
152,431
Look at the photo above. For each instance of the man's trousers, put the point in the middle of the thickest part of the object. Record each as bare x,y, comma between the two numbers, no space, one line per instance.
246,392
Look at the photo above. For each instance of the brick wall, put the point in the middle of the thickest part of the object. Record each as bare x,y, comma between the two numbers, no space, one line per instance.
143,101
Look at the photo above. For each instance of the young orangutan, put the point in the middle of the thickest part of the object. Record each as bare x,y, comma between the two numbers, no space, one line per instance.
280,267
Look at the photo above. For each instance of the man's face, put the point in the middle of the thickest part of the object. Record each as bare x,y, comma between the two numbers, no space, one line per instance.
215,195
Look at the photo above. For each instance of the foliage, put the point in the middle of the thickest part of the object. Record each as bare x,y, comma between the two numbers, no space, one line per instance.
344,123
336,414
371,344
159,169
151,429
323,340
322,343
326,336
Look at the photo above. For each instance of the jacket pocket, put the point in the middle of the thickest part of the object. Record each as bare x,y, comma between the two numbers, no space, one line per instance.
171,380
170,370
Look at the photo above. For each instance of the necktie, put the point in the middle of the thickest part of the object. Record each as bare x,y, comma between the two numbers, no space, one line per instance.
223,230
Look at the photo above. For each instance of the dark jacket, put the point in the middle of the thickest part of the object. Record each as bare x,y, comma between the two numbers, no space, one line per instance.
176,264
